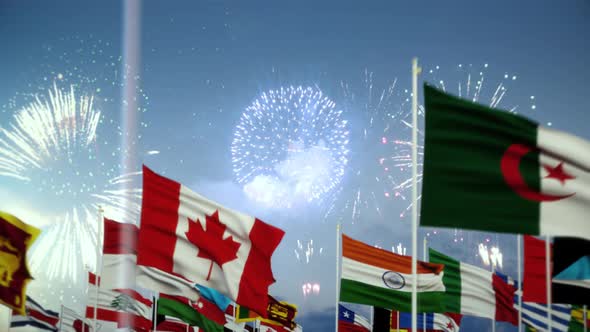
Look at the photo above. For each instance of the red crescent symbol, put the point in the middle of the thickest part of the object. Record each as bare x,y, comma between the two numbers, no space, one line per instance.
510,166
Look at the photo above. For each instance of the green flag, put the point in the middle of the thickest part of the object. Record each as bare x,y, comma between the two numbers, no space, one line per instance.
491,170
169,306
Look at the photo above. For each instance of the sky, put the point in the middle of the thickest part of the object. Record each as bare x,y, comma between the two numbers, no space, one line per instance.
203,63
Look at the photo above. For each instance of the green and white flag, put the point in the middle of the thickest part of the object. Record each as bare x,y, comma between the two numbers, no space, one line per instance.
491,170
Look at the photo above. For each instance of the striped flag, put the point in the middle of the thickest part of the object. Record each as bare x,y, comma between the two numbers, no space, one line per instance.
433,321
474,291
535,315
71,321
119,255
120,306
377,277
37,316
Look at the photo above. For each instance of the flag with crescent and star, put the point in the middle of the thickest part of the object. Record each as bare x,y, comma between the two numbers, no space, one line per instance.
491,170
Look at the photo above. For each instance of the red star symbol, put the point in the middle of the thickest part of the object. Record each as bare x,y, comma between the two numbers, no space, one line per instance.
450,326
558,173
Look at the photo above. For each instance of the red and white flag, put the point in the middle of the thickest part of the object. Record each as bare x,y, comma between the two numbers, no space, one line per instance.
185,235
71,321
119,255
534,283
122,307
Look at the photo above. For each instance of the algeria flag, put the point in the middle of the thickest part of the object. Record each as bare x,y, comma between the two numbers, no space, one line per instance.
185,236
495,171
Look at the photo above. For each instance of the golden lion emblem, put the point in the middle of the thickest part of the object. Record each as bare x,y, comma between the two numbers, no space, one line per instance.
10,259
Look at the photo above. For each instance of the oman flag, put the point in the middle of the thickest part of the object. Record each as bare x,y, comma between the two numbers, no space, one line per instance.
185,235
495,171
471,290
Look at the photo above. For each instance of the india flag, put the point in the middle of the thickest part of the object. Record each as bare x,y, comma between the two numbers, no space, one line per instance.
495,171
373,276
471,290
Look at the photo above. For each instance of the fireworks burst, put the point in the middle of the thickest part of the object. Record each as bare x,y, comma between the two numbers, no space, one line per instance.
374,112
51,146
290,147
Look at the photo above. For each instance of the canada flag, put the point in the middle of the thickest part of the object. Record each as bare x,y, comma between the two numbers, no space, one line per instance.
184,239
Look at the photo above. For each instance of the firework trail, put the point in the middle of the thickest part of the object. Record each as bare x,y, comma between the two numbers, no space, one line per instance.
290,147
51,146
305,251
375,109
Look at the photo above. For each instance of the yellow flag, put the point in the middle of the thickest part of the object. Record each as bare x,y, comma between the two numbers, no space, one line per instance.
16,237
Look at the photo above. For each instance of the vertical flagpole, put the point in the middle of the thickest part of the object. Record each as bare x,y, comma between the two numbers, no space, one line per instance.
97,269
424,248
61,317
337,273
519,281
585,317
397,313
415,71
548,281
156,312
494,319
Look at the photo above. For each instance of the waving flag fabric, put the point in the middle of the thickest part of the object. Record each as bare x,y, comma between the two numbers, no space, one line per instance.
471,290
181,308
377,277
432,321
16,237
350,321
495,171
119,255
190,237
36,316
71,321
122,307
571,271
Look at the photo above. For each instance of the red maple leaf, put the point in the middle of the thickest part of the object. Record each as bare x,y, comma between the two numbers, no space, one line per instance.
210,242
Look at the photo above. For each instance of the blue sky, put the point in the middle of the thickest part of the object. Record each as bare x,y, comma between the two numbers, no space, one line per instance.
203,62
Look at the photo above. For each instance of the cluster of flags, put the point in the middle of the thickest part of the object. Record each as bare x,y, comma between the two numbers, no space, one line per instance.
492,171
209,266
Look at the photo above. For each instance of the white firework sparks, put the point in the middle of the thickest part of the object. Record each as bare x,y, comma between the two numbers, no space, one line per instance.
290,147
374,109
51,146
470,84
305,251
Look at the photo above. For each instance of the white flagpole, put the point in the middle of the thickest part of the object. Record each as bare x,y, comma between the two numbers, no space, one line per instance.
156,312
548,281
397,313
98,269
61,317
424,248
585,317
494,319
337,273
519,281
415,71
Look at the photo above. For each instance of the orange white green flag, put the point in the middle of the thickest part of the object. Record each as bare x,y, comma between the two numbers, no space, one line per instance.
377,277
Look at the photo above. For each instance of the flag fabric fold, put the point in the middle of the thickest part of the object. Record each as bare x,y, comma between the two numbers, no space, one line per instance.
123,307
377,277
71,321
16,238
36,316
119,258
491,170
181,308
446,322
350,321
571,271
185,235
471,290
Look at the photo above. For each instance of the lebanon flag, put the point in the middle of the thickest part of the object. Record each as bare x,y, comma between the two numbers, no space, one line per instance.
377,277
188,236
125,307
495,171
471,290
